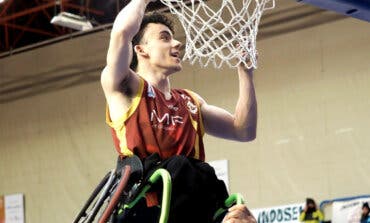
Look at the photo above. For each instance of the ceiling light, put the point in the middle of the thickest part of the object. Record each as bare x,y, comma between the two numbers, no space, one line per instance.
72,21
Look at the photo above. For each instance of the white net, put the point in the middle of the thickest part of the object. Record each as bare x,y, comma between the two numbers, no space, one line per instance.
220,31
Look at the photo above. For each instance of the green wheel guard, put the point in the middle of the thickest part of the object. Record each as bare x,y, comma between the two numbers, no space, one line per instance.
166,197
231,200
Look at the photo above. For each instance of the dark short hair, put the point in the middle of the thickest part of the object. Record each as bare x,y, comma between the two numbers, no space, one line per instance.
153,17
366,205
310,201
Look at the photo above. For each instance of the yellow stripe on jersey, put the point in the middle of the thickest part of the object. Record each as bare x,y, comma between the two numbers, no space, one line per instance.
196,147
119,124
195,124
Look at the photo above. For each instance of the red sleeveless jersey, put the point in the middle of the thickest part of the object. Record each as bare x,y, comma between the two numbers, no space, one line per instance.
153,124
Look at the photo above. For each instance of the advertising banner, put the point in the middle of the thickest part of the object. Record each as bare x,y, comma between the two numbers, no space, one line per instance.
348,211
279,214
2,209
12,208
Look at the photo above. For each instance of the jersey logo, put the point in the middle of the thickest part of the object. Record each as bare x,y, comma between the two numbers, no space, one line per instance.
167,121
173,107
151,92
191,106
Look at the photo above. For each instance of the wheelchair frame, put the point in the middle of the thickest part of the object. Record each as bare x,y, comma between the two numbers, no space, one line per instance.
111,191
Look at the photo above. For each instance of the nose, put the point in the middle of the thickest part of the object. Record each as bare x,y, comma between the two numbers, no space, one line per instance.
177,44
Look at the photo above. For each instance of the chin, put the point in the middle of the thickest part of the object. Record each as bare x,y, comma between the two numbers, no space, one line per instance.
172,68
176,68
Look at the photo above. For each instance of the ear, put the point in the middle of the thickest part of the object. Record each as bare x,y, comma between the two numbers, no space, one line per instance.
141,50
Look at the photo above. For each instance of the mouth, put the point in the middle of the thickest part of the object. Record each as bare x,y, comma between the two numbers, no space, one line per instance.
175,54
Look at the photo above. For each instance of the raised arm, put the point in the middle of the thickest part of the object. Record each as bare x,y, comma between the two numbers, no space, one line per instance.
118,81
240,126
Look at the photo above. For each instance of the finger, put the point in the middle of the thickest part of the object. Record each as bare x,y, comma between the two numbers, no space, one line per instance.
236,207
249,219
239,210
234,214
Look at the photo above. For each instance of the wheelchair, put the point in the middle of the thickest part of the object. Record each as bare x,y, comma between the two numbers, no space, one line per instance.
122,188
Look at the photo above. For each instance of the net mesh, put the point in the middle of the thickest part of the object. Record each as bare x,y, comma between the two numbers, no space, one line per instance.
224,33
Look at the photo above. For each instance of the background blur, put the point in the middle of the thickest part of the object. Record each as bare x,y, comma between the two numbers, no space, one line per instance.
312,84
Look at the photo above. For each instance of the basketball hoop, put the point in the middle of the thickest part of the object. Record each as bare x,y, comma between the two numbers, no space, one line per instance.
220,34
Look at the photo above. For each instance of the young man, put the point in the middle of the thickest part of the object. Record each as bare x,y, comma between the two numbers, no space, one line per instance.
147,116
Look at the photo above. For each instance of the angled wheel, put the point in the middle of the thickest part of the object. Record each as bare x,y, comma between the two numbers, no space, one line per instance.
96,199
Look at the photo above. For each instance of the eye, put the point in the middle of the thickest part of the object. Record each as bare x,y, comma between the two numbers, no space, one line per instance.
165,37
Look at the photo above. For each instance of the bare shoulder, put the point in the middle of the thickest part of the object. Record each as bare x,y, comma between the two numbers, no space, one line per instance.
197,97
127,84
119,93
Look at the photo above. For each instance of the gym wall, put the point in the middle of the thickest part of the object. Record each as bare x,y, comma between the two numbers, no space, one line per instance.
313,92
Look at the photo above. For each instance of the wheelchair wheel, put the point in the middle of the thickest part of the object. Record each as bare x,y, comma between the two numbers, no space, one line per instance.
119,192
96,199
117,195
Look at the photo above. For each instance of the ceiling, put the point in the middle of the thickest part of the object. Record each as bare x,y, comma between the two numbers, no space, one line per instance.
26,25
25,22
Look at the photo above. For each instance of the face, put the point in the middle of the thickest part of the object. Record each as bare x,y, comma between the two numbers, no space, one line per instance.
160,48
365,211
310,205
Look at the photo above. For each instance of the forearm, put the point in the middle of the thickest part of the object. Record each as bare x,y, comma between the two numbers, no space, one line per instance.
245,116
129,19
119,56
125,27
